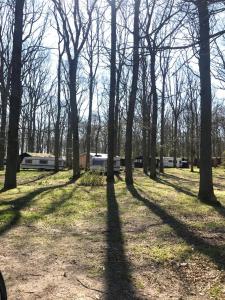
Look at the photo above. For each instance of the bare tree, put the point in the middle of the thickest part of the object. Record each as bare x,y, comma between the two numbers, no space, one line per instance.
74,31
15,98
133,94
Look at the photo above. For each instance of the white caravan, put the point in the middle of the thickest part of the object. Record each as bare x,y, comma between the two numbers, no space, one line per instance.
98,162
40,161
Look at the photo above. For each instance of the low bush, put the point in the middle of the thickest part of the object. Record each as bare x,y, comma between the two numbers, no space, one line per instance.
92,179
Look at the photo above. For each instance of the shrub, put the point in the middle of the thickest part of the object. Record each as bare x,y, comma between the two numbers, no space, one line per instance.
92,179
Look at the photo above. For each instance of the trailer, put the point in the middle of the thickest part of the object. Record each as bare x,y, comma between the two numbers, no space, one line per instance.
98,162
167,162
40,161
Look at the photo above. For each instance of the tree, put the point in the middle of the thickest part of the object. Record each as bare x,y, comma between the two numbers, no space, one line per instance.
93,49
74,31
59,105
132,98
206,192
15,98
112,95
5,72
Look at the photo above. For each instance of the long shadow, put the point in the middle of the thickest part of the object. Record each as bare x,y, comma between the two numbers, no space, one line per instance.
215,253
219,209
20,203
176,187
118,273
36,178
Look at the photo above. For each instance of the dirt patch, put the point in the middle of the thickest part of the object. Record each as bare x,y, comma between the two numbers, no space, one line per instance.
71,242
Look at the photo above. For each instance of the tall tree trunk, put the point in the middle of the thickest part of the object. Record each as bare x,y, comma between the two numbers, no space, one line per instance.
175,139
154,116
144,117
117,108
192,144
69,143
206,193
23,131
162,129
48,135
132,98
57,125
91,89
74,117
15,99
4,86
4,98
111,117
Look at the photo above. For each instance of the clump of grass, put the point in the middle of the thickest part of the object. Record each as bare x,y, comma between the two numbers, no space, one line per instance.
216,291
164,253
92,179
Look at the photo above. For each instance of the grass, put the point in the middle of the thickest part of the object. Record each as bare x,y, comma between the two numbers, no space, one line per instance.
163,227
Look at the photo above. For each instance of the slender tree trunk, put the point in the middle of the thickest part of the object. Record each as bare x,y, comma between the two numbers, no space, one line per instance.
117,108
153,174
74,117
206,193
57,125
192,144
48,135
91,90
144,117
132,98
4,98
15,99
69,143
175,139
23,131
162,129
111,118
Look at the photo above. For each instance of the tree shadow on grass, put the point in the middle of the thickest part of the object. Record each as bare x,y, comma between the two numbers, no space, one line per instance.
176,187
15,206
215,253
219,209
36,178
118,273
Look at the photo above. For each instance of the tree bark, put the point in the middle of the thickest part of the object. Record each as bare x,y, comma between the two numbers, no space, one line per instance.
57,125
162,129
91,90
15,99
74,116
206,192
153,174
4,98
132,98
111,117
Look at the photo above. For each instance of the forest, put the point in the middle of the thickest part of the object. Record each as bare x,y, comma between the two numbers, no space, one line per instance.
130,79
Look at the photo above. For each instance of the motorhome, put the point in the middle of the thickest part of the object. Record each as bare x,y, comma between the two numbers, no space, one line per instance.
98,162
40,161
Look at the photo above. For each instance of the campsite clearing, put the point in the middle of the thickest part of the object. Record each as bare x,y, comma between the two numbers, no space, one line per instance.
63,240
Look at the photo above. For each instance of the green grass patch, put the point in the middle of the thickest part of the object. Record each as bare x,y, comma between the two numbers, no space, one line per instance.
92,179
216,291
164,252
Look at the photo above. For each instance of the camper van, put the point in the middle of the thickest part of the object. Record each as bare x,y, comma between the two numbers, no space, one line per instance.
98,162
180,162
40,161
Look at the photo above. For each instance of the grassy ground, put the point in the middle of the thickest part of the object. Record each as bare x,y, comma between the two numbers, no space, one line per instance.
63,240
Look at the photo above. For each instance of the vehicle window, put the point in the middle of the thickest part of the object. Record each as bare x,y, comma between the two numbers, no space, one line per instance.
43,162
98,162
28,161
